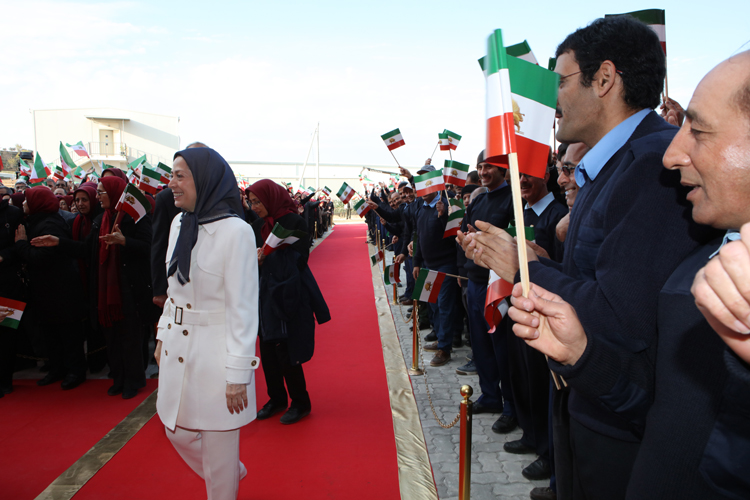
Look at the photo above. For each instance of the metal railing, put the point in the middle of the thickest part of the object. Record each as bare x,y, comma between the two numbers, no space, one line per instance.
107,148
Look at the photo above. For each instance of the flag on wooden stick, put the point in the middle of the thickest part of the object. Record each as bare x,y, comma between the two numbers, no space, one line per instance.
133,202
501,140
165,171
495,305
444,144
361,207
522,51
79,149
454,219
393,139
391,274
427,287
280,237
455,173
66,161
39,172
345,193
149,181
377,257
453,139
429,182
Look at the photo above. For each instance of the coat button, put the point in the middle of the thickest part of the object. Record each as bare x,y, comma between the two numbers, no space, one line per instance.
253,363
189,306
180,359
169,326
172,300
185,332
166,353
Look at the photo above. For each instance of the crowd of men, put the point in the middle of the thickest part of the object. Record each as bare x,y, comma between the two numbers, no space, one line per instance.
653,397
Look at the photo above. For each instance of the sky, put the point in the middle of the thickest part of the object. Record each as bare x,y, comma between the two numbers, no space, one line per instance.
253,79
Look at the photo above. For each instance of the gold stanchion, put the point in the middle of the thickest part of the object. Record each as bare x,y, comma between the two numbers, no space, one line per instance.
395,294
464,459
415,370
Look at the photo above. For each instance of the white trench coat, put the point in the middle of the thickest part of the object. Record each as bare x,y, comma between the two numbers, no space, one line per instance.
208,329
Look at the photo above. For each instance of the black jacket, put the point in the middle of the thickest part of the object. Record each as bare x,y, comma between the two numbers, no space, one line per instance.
164,212
10,282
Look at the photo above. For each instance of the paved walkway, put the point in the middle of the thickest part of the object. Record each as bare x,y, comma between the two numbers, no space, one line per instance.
495,474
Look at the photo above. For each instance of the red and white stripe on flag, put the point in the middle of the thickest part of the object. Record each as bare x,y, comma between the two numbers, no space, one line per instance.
495,305
501,137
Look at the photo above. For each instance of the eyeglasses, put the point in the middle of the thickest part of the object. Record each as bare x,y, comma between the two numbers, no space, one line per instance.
101,193
567,170
566,76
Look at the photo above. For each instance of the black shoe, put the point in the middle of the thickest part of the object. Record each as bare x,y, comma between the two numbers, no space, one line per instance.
423,326
406,300
71,382
504,424
410,309
543,493
478,407
468,369
129,393
457,342
48,379
270,409
430,337
538,470
114,390
518,448
294,415
430,347
400,285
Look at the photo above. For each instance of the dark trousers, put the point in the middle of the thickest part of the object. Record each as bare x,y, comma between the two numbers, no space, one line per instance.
278,369
64,345
529,378
96,347
408,269
125,353
490,351
446,318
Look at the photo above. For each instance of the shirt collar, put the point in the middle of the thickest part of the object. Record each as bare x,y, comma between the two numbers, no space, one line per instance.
602,152
504,184
540,206
731,235
434,201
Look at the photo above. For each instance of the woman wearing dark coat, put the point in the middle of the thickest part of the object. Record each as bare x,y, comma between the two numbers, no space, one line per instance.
56,311
290,302
119,284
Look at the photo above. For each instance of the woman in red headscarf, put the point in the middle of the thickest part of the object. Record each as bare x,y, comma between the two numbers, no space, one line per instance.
290,302
119,284
57,315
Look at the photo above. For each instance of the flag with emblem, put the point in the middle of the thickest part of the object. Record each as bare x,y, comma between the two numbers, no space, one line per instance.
393,139
79,149
327,190
133,202
392,274
501,139
443,139
495,305
280,237
14,318
377,257
345,193
78,174
24,168
427,287
454,219
39,172
66,161
132,176
522,51
453,138
165,171
655,19
455,173
429,182
58,173
150,179
361,207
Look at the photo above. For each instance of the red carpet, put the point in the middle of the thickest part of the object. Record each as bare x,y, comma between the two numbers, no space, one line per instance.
345,449
45,430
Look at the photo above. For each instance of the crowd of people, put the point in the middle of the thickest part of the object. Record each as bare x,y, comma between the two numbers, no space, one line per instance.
639,279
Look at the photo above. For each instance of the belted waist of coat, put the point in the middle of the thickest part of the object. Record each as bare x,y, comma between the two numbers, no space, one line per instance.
182,316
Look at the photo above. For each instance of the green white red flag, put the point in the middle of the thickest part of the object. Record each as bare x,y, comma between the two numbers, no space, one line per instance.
133,165
39,172
24,168
444,144
427,287
280,237
655,19
501,139
133,202
165,171
429,182
361,207
79,149
16,307
455,172
377,257
132,176
454,219
327,190
391,274
393,139
150,179
453,139
66,161
495,305
345,193
522,51
511,230
78,174
58,173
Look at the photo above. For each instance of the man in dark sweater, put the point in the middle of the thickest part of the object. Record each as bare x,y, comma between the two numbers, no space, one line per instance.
629,229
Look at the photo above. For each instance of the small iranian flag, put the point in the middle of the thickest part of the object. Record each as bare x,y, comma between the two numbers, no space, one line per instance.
377,257
78,148
391,274
24,168
133,203
65,160
58,174
93,175
280,237
522,51
454,219
16,307
427,287
511,230
78,174
453,138
501,139
393,139
165,171
149,180
361,207
310,190
133,165
495,305
327,190
132,176
444,144
429,182
345,193
655,19
39,172
455,173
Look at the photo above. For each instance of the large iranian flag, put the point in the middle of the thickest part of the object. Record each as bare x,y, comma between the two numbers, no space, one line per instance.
495,305
361,207
455,172
16,307
393,139
522,51
453,138
655,19
280,237
78,148
39,172
501,139
345,193
149,179
133,203
65,160
427,287
429,182
454,219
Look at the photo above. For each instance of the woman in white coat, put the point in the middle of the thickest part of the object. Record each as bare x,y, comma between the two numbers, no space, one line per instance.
207,332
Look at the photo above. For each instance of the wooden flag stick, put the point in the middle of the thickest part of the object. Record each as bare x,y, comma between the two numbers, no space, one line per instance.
394,157
523,262
433,151
118,218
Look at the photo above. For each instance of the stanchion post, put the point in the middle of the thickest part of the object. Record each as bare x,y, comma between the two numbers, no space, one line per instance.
395,294
415,370
464,459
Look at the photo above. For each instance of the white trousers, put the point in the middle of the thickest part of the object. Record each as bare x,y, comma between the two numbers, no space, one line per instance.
214,456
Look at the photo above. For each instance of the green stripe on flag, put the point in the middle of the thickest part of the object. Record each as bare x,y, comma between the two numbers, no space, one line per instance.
511,230
134,164
648,16
457,165
151,173
518,49
496,58
533,82
457,202
428,176
451,134
390,134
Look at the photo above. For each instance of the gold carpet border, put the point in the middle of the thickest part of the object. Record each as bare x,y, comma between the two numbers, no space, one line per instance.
414,470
